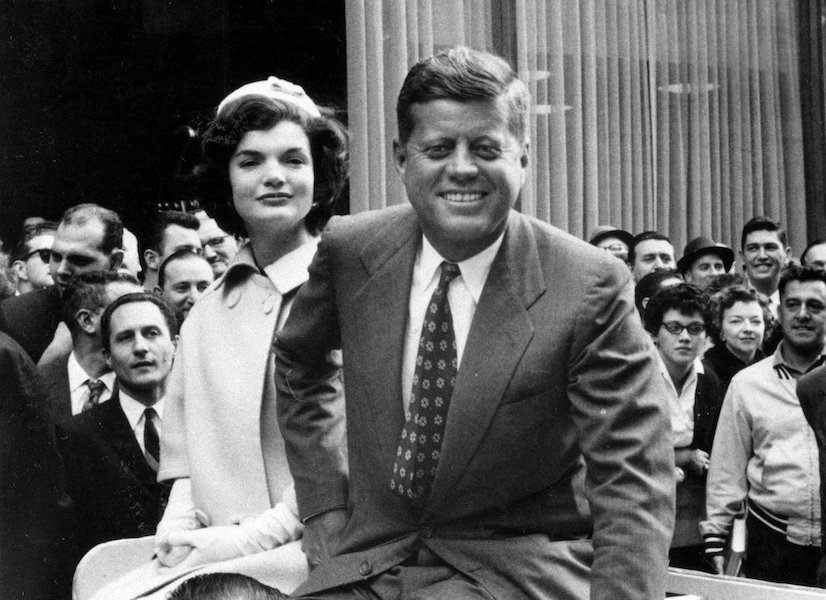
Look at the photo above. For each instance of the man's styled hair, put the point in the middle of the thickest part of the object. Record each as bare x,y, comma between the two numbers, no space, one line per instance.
224,586
642,237
685,298
795,272
651,283
88,291
166,311
464,75
761,223
182,254
809,247
727,297
328,146
22,249
81,214
163,219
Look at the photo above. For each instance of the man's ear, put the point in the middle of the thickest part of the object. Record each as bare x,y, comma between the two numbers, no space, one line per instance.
19,268
116,259
158,291
526,154
399,157
83,318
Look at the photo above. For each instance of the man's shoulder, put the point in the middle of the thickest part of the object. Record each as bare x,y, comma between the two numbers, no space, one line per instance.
97,419
370,222
41,299
757,373
812,384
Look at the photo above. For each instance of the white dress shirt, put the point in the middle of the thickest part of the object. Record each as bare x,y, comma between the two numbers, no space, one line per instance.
462,294
137,420
681,406
78,388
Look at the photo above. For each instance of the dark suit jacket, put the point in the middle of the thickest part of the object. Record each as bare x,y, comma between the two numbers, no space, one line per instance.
811,391
33,506
114,491
32,319
54,376
556,424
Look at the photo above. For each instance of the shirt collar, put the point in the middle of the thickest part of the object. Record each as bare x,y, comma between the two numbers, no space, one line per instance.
134,409
696,368
79,377
780,364
474,270
286,274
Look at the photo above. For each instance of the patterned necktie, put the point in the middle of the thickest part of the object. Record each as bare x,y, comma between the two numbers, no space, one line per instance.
151,441
96,388
433,378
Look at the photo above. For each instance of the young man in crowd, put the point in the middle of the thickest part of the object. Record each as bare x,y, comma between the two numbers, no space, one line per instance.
703,260
764,450
168,232
182,279
81,379
31,259
650,251
764,252
814,255
111,452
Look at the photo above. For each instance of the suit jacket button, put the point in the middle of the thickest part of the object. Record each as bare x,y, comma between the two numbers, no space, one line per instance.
426,532
365,568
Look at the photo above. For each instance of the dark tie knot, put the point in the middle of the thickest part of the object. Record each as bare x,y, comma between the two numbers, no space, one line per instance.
95,386
450,271
149,413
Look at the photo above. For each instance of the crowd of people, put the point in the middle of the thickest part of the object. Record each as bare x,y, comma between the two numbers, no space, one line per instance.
526,414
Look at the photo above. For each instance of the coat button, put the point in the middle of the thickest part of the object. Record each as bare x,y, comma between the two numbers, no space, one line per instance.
365,568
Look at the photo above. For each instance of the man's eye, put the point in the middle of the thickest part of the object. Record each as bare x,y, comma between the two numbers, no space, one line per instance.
487,151
438,151
181,288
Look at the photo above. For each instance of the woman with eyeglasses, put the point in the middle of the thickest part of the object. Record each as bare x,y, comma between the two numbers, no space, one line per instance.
677,320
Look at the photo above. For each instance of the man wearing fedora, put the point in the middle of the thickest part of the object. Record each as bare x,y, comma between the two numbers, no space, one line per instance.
613,240
703,259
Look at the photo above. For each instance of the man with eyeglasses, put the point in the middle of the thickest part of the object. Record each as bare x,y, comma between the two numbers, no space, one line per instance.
31,259
88,238
677,319
765,454
217,245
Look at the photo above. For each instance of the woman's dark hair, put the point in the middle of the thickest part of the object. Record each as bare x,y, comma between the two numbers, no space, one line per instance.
328,147
685,298
723,300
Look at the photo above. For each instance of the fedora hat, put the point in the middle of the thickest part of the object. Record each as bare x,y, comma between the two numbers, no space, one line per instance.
606,231
703,245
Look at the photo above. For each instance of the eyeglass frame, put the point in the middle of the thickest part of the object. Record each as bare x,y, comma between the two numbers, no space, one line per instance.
40,251
694,328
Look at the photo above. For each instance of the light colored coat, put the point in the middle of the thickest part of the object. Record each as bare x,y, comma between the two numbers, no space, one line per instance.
218,395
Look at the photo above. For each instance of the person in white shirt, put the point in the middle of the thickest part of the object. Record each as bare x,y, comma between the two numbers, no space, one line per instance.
764,252
111,452
677,319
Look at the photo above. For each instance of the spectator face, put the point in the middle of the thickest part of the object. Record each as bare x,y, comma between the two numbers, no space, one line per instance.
217,245
764,256
184,282
802,315
462,168
742,329
77,249
678,350
141,348
652,255
816,257
704,269
271,175
177,238
36,264
615,246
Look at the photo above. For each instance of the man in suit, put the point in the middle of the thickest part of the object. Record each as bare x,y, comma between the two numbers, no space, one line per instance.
88,238
168,232
503,402
111,451
81,379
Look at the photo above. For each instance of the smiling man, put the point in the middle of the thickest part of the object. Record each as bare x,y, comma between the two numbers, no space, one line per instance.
182,279
111,451
487,436
88,238
764,451
764,252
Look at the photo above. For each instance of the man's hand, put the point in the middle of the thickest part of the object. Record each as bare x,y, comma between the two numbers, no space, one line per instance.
321,536
719,564
698,460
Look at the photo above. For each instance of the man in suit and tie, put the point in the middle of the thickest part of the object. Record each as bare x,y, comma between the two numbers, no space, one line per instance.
88,238
505,430
111,451
81,379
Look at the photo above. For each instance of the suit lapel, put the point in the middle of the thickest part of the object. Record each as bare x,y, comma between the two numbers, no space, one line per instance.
56,381
499,334
388,260
114,427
